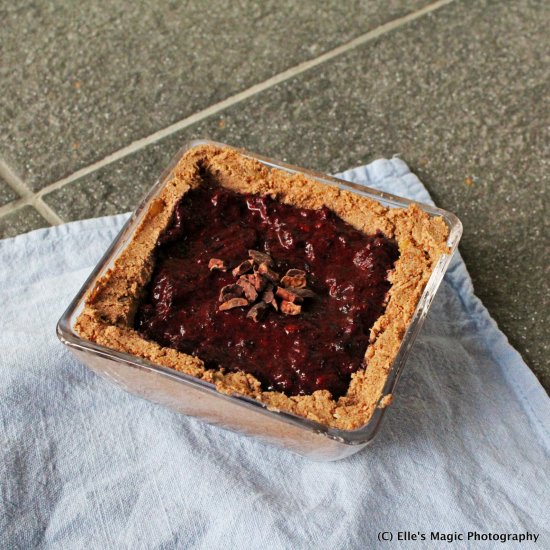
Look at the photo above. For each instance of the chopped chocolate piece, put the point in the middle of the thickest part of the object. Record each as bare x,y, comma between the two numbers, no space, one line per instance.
257,312
248,288
242,268
296,273
233,302
230,291
288,308
216,263
265,270
268,293
259,281
288,295
294,278
269,297
261,258
303,292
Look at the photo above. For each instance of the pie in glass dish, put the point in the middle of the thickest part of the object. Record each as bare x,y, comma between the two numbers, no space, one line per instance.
270,285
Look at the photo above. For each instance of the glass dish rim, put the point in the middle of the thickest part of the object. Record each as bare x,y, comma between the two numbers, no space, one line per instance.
358,436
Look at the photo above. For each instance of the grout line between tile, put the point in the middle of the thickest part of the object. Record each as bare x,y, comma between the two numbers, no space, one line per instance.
9,176
46,211
13,205
36,199
27,197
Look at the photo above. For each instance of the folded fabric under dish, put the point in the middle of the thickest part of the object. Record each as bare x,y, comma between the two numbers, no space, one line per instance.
464,447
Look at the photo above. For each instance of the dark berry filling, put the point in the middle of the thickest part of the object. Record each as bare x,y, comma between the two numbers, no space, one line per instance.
296,354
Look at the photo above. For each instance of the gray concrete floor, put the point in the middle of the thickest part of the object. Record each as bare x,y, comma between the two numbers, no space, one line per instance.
95,99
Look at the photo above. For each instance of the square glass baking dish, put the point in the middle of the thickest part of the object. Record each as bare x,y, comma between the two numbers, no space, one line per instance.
195,397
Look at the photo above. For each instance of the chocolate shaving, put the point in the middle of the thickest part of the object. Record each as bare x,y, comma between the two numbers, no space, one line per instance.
303,292
262,288
233,302
269,297
242,268
296,273
230,291
216,263
268,294
248,288
264,269
288,308
257,280
295,278
257,312
288,295
261,258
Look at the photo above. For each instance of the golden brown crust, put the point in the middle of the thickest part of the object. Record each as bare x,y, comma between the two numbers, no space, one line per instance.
108,313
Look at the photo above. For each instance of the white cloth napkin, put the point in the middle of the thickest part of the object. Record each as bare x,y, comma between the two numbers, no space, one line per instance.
464,447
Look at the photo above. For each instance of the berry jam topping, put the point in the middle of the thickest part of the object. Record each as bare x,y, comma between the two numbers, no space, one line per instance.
286,294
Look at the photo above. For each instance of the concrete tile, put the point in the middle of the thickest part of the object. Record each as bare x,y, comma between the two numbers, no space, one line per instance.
461,95
19,221
116,188
7,194
80,80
